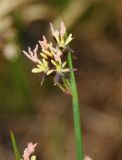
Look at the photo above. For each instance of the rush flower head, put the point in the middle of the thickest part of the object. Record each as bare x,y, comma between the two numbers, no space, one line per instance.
51,60
29,151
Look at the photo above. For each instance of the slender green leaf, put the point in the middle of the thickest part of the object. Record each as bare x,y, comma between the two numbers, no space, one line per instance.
16,150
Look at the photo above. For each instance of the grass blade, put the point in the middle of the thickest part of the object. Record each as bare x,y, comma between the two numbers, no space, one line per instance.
16,150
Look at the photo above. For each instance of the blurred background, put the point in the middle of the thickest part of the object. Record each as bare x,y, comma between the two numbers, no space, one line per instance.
43,114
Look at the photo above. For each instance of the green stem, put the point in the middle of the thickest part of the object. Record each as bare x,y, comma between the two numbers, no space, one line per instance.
16,150
76,112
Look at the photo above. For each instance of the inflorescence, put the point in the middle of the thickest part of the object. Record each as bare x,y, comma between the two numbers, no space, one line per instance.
52,59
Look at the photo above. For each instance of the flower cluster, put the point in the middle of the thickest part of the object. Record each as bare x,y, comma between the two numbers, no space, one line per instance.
52,60
28,152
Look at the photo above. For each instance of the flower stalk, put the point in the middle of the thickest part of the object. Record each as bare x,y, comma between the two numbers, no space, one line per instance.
76,112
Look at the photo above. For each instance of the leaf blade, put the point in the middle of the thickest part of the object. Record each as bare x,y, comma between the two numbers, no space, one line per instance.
15,147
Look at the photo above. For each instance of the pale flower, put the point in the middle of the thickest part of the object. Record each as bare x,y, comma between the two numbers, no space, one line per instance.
57,55
41,67
63,29
32,55
29,151
60,37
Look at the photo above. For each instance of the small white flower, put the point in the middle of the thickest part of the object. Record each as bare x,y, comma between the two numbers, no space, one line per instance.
69,39
29,150
41,67
60,37
32,55
63,29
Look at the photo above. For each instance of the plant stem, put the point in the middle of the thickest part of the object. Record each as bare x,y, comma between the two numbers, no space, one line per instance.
76,112
16,150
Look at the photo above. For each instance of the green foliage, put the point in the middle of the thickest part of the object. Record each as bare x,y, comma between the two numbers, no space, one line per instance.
16,150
